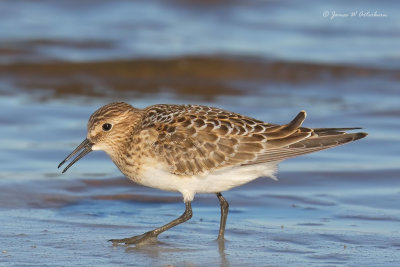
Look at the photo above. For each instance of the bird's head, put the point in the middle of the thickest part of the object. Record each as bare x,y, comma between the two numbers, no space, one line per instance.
108,128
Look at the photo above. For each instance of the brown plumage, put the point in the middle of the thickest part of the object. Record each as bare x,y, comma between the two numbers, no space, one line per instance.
196,139
198,149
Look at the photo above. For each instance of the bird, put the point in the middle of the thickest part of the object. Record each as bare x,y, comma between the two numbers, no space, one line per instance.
197,149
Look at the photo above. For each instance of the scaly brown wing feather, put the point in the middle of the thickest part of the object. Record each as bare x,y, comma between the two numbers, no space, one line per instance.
197,139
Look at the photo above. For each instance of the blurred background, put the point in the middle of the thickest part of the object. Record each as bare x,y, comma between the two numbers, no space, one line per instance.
339,61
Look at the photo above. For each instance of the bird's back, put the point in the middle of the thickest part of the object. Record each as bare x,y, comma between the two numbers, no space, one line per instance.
196,140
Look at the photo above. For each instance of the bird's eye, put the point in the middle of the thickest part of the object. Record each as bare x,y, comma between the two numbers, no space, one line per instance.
107,126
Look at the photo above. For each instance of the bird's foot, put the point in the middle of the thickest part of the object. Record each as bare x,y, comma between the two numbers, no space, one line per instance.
148,237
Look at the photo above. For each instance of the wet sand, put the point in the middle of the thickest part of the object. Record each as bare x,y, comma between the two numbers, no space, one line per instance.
270,223
201,76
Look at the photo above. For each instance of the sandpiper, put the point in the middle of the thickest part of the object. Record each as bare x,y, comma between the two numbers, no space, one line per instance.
197,149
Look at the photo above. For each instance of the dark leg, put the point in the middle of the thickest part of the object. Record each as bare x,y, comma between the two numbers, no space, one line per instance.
224,214
152,235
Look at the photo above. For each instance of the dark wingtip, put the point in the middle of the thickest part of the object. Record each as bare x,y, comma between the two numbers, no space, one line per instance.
361,135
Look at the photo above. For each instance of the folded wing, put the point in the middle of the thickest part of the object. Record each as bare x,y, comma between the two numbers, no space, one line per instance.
199,139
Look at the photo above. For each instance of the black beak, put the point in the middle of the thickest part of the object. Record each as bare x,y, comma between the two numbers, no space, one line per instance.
86,145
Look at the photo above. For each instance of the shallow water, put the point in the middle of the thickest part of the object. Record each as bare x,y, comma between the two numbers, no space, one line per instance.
60,61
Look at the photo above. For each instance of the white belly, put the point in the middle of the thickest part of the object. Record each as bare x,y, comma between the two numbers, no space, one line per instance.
220,180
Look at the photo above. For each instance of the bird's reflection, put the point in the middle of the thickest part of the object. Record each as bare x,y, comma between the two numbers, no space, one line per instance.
222,254
163,250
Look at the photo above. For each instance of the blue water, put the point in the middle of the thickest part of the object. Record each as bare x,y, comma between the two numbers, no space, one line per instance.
336,207
130,29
